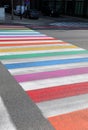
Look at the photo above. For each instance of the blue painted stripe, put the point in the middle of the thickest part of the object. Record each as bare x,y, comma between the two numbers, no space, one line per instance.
45,63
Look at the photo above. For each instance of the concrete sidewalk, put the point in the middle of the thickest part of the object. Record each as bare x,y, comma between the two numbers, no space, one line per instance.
43,20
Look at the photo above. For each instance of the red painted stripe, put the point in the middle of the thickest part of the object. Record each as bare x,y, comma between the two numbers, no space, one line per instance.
58,92
77,120
23,44
27,38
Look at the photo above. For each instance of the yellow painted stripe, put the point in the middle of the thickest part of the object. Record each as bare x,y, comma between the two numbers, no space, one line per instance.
36,48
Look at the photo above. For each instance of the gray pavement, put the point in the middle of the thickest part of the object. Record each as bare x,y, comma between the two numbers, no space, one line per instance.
24,21
76,37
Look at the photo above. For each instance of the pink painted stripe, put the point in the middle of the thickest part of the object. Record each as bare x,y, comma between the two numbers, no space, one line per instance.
21,36
57,92
52,74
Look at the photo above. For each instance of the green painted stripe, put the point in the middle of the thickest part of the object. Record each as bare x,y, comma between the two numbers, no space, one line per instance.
6,57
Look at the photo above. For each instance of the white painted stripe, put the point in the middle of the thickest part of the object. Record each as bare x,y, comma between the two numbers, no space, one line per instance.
45,51
5,120
25,38
48,58
19,32
62,106
31,46
30,41
30,70
50,82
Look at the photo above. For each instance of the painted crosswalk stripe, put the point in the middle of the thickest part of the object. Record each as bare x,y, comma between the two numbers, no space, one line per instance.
46,58
27,45
47,83
18,32
23,34
76,120
33,42
20,38
7,31
57,92
60,106
53,73
35,55
45,63
35,48
40,51
46,68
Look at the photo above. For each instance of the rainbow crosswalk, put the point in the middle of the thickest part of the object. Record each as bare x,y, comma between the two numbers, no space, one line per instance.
53,73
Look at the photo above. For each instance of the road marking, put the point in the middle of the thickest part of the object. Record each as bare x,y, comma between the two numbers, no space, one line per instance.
45,63
57,92
67,52
30,70
34,42
76,120
41,51
47,83
30,45
64,105
46,58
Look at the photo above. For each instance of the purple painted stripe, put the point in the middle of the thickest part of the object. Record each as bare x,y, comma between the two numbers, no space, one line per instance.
52,74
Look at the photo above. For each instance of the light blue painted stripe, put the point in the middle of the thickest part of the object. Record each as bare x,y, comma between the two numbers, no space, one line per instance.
45,63
24,34
19,34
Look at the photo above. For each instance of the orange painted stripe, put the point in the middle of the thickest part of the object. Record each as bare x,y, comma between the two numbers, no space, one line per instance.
77,120
23,44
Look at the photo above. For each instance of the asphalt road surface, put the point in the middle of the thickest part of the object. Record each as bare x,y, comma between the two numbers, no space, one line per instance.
76,37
